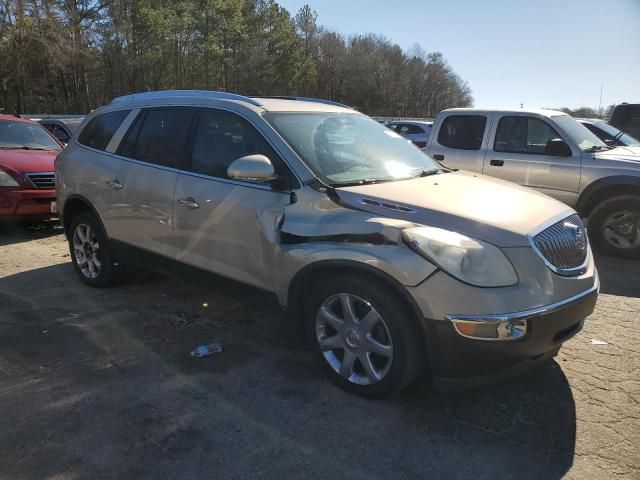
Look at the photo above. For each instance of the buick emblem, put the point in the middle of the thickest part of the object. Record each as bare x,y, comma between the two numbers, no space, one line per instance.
579,238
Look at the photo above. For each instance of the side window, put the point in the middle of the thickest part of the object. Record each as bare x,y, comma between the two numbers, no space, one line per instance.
159,136
411,130
463,132
523,135
60,134
222,137
98,132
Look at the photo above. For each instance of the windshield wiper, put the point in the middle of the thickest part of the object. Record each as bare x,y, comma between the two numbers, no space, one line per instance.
597,148
364,181
428,173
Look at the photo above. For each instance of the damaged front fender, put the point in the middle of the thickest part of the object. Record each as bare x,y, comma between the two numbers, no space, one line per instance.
317,229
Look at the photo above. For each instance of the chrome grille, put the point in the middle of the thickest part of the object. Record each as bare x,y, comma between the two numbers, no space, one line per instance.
563,246
44,180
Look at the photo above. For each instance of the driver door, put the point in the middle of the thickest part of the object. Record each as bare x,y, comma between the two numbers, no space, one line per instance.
517,154
222,225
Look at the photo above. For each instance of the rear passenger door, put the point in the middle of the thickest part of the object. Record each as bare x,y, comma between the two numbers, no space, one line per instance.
95,166
461,141
223,225
518,154
154,149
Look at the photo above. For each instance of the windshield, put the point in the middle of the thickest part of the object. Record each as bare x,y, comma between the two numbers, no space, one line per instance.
18,135
617,134
347,148
579,134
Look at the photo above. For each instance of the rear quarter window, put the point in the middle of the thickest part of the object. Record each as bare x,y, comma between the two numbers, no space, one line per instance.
462,132
98,132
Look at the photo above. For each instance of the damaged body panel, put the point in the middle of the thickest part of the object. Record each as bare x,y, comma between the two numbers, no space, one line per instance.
315,229
387,258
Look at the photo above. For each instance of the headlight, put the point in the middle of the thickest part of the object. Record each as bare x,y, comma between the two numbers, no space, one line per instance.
470,260
7,180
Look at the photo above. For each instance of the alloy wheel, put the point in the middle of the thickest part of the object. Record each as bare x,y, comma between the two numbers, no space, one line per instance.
621,229
86,250
354,339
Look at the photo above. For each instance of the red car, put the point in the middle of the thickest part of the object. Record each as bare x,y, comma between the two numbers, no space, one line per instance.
27,155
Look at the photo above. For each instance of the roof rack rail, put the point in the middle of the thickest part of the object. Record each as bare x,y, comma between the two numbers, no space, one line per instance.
186,93
305,99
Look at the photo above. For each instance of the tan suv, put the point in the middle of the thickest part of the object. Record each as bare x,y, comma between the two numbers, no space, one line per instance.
392,262
554,154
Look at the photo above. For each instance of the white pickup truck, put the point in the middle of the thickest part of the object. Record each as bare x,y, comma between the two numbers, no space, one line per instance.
554,154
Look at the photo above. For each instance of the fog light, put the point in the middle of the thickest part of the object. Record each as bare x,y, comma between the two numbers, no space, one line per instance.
491,329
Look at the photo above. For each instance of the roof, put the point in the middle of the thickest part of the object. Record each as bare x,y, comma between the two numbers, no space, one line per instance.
191,97
413,122
66,121
14,118
545,112
590,120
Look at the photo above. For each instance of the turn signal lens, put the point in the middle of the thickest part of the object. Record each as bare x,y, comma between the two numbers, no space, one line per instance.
491,329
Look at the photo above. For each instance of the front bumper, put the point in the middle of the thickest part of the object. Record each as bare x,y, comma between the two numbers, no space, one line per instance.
458,362
26,202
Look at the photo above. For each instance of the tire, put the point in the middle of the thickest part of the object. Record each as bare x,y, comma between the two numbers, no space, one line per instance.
396,357
614,226
90,253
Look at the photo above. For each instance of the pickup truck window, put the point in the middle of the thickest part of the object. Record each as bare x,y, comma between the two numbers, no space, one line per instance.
523,135
578,133
464,132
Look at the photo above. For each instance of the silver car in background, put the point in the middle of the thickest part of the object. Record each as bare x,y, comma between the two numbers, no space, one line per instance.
391,262
417,131
608,133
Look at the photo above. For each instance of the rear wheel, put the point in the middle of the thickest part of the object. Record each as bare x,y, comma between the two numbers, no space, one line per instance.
363,336
90,254
614,226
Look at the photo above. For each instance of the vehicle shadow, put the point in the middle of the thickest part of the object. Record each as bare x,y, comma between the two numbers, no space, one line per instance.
18,231
618,276
99,382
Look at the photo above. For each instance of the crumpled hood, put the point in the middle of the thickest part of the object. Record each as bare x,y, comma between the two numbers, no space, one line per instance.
483,207
627,154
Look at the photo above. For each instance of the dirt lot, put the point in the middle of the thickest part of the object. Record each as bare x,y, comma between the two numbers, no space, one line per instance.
99,383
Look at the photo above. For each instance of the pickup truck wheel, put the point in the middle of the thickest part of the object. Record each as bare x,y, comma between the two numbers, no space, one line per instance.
614,226
90,254
362,336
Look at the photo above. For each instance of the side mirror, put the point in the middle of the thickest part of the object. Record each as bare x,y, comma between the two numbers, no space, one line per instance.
252,168
557,148
610,141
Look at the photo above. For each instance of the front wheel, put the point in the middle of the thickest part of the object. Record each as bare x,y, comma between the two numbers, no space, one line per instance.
614,226
363,336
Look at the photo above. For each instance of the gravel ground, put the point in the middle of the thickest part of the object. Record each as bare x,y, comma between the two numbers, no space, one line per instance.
99,384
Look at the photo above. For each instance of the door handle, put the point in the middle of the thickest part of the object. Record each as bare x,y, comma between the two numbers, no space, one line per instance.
497,163
188,203
114,184
438,156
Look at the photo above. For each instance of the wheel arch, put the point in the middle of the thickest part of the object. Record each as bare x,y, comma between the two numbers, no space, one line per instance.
302,282
604,188
74,205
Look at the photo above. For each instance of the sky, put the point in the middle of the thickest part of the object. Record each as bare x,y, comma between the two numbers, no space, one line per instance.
542,53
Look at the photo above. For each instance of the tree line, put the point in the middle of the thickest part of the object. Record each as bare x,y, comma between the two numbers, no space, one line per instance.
71,56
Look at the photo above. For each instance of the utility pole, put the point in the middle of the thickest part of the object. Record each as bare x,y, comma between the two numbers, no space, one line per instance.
600,105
